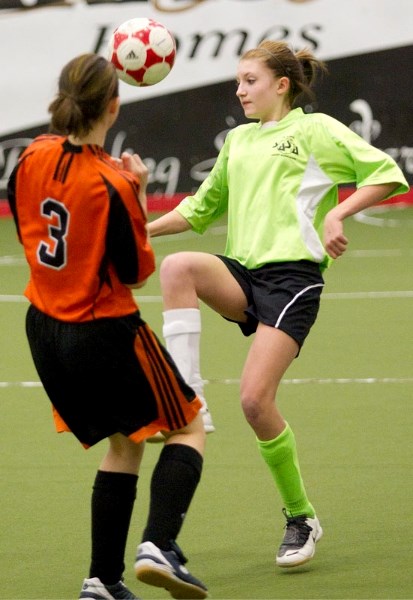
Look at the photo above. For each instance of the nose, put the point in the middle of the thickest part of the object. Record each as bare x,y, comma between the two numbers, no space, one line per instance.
240,91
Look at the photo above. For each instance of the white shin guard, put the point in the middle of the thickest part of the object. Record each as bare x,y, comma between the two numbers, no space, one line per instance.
182,333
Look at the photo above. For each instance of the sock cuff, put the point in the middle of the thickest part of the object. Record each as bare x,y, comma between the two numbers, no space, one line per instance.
181,320
281,445
286,432
183,453
109,481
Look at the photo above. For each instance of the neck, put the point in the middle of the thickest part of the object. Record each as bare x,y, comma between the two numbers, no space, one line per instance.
96,136
87,139
277,115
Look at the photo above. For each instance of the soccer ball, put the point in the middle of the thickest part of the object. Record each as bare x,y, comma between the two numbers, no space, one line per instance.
142,50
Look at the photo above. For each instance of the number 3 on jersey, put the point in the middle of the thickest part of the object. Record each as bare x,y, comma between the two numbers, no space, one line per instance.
53,253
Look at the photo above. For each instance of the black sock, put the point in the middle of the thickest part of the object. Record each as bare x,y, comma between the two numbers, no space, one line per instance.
112,505
174,481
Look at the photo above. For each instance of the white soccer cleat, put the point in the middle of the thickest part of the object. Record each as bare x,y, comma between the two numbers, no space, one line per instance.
298,545
207,418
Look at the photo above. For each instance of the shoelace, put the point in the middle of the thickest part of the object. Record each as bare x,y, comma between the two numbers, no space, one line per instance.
175,548
297,530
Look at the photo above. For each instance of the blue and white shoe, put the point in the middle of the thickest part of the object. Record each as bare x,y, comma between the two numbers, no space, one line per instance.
166,569
94,589
298,545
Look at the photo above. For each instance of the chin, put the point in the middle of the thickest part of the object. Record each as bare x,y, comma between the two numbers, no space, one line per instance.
250,115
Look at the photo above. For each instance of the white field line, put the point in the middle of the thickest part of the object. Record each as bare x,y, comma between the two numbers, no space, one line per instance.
367,295
370,216
20,261
376,295
295,381
326,380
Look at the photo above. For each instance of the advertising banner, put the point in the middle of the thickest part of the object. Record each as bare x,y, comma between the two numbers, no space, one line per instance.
178,125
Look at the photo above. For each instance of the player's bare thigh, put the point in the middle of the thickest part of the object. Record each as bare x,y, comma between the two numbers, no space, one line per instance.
187,276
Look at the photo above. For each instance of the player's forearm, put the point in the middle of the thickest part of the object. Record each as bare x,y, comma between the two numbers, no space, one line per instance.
170,223
335,242
363,198
143,201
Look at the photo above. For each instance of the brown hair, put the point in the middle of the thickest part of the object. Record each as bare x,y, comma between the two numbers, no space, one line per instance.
86,85
300,67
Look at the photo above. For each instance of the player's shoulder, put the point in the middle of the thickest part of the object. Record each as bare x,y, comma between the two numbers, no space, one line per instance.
242,131
317,117
111,172
107,165
319,126
320,119
47,140
44,141
245,127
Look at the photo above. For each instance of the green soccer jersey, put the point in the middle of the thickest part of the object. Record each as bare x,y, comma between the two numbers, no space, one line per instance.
278,182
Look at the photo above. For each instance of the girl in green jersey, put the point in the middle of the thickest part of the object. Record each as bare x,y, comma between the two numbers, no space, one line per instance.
277,180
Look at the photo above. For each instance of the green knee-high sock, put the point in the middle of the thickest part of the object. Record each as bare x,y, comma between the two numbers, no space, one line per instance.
280,454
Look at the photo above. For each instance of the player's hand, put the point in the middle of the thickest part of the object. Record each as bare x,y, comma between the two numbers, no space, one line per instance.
134,164
335,242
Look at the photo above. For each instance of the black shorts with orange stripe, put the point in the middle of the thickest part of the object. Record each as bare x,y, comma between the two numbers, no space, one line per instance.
107,376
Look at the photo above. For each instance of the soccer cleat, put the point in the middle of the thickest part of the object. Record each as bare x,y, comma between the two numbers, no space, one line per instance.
165,569
94,589
206,417
298,545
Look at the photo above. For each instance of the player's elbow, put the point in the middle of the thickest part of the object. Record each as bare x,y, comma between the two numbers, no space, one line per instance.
137,285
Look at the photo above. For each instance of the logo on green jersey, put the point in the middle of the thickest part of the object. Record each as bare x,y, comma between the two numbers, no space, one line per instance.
286,146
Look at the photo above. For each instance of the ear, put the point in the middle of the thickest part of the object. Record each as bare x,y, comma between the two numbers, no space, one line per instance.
114,105
283,85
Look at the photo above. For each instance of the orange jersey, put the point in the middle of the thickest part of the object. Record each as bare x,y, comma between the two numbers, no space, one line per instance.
83,230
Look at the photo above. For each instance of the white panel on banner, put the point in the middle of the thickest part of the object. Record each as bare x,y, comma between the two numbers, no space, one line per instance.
39,39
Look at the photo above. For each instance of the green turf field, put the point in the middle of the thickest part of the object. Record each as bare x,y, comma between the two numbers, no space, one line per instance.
348,398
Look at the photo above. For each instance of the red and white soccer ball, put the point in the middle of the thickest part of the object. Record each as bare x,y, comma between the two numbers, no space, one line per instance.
143,51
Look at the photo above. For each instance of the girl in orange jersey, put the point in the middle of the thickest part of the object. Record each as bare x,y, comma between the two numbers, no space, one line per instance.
81,217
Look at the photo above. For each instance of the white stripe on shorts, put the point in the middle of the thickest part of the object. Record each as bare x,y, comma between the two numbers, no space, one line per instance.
309,287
